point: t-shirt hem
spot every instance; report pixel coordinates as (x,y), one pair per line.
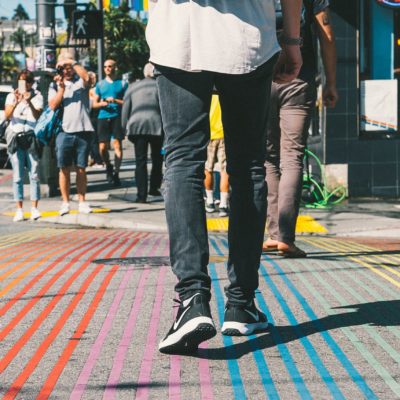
(214,68)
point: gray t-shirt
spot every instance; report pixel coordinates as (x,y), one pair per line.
(76,106)
(226,36)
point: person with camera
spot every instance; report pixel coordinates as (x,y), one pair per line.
(70,90)
(109,94)
(23,108)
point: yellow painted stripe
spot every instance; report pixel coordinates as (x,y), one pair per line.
(18,238)
(46,214)
(305,224)
(341,246)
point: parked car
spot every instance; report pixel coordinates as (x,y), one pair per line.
(4,90)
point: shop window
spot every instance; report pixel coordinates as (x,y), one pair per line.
(379,68)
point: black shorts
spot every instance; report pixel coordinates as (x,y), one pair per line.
(109,127)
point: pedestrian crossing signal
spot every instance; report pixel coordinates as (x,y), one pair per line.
(87,24)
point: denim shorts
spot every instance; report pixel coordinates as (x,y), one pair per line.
(73,149)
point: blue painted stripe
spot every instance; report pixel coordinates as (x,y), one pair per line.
(265,375)
(340,355)
(308,347)
(233,366)
(284,351)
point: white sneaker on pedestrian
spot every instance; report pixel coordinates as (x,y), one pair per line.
(64,209)
(84,208)
(19,215)
(35,214)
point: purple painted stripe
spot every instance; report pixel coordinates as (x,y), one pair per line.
(113,380)
(82,381)
(144,379)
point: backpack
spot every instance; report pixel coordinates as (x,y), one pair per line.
(49,125)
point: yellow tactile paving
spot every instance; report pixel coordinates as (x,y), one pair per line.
(305,224)
(55,213)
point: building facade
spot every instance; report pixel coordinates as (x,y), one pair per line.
(358,141)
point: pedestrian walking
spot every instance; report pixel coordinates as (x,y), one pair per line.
(70,91)
(23,108)
(141,120)
(109,99)
(290,113)
(230,45)
(216,153)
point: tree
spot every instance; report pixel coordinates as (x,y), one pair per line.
(9,67)
(20,13)
(125,41)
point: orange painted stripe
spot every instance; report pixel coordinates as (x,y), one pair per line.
(21,276)
(37,277)
(54,375)
(21,314)
(34,361)
(15,250)
(26,260)
(46,311)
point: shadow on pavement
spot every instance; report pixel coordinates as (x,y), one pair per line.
(380,313)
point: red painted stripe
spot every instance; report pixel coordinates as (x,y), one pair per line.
(34,361)
(21,314)
(36,278)
(54,375)
(43,315)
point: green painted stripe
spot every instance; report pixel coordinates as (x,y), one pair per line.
(382,372)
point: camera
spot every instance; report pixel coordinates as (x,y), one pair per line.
(60,70)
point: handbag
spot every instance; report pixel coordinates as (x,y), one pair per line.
(49,125)
(25,140)
(3,127)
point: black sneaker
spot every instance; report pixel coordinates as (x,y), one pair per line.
(110,173)
(116,180)
(193,325)
(223,212)
(210,207)
(155,193)
(243,320)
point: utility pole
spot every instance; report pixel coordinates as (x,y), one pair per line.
(45,61)
(100,47)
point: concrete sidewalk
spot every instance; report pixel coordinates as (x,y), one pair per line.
(115,208)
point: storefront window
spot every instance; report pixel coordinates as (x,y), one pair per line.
(379,68)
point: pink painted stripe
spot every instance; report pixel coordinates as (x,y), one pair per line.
(113,380)
(205,377)
(82,381)
(144,379)
(175,372)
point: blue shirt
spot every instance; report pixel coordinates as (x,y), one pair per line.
(115,89)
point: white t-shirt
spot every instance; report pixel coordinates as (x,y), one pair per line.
(22,119)
(76,106)
(226,36)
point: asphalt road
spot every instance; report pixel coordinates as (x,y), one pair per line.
(82,311)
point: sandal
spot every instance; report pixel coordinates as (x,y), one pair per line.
(293,253)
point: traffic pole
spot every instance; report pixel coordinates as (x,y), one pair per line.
(100,47)
(45,63)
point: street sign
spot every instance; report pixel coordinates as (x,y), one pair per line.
(87,24)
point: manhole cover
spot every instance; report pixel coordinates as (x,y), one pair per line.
(143,261)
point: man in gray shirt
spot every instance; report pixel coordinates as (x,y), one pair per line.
(71,92)
(230,45)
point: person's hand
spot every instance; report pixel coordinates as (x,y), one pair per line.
(27,95)
(330,96)
(18,96)
(104,103)
(60,81)
(288,65)
(110,99)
